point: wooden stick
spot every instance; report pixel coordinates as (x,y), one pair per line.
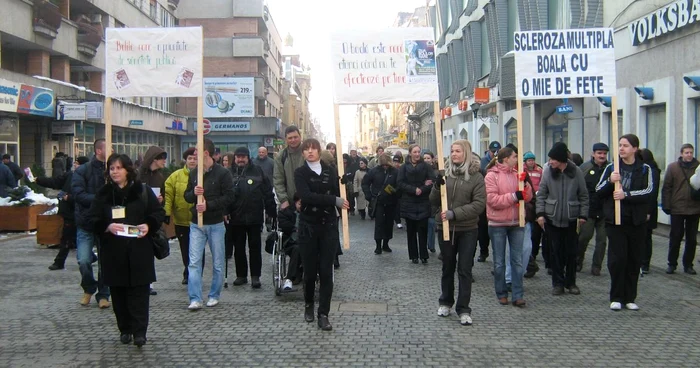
(616,153)
(521,164)
(441,166)
(107,119)
(341,172)
(200,156)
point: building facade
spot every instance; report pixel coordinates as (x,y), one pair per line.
(240,41)
(52,52)
(296,90)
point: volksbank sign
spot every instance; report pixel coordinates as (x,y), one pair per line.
(673,16)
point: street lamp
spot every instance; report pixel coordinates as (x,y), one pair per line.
(692,82)
(475,108)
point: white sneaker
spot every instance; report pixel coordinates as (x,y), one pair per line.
(465,319)
(399,226)
(443,311)
(287,285)
(615,306)
(212,302)
(632,306)
(195,306)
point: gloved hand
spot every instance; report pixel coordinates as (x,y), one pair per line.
(527,195)
(440,180)
(522,176)
(519,195)
(166,220)
(345,179)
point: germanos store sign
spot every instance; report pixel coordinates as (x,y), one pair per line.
(671,17)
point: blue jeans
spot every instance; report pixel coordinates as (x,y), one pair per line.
(85,242)
(527,250)
(214,235)
(514,236)
(431,233)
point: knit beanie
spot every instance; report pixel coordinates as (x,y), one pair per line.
(559,152)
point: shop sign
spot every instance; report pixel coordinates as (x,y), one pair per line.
(670,18)
(229,97)
(36,101)
(278,142)
(135,122)
(228,126)
(269,141)
(565,109)
(94,109)
(71,111)
(63,127)
(9,95)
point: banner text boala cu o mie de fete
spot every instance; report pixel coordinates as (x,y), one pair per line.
(567,63)
(388,65)
(146,62)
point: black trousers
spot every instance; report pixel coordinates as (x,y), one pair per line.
(624,259)
(683,225)
(564,249)
(294,266)
(317,248)
(417,247)
(648,249)
(228,241)
(252,234)
(536,237)
(130,305)
(68,239)
(183,237)
(384,222)
(458,253)
(484,235)
(397,213)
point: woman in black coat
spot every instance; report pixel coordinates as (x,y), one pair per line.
(648,158)
(318,188)
(415,183)
(127,261)
(380,188)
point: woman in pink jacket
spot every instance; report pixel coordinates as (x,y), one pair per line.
(502,196)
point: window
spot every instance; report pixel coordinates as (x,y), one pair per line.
(559,14)
(84,139)
(513,22)
(656,134)
(153,9)
(484,136)
(556,130)
(512,132)
(485,53)
(620,132)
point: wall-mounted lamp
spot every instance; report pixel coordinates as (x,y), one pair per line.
(646,93)
(475,108)
(605,101)
(692,82)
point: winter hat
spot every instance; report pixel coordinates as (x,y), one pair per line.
(529,155)
(83,160)
(327,158)
(398,159)
(362,159)
(494,146)
(559,152)
(601,147)
(512,146)
(242,151)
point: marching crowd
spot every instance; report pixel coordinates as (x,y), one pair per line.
(111,204)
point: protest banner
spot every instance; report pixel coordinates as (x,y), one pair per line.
(566,63)
(384,66)
(148,62)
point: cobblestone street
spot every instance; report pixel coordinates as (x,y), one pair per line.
(383,314)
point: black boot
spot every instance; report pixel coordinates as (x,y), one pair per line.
(385,246)
(139,341)
(336,262)
(378,250)
(363,213)
(323,323)
(309,312)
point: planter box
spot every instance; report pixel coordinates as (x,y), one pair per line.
(21,218)
(49,229)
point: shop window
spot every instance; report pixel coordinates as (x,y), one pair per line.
(484,136)
(559,14)
(512,132)
(513,22)
(656,134)
(485,53)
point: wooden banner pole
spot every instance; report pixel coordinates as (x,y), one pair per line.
(441,166)
(616,153)
(521,164)
(200,156)
(107,119)
(341,172)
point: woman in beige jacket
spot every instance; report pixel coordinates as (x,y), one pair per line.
(361,204)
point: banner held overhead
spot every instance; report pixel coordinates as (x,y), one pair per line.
(146,62)
(379,66)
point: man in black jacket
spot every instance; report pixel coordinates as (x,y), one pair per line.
(253,198)
(592,170)
(218,193)
(85,183)
(16,170)
(66,209)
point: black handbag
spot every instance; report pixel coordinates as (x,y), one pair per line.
(161,244)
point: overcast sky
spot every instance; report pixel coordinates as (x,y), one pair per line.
(310,23)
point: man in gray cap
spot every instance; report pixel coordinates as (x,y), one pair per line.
(592,170)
